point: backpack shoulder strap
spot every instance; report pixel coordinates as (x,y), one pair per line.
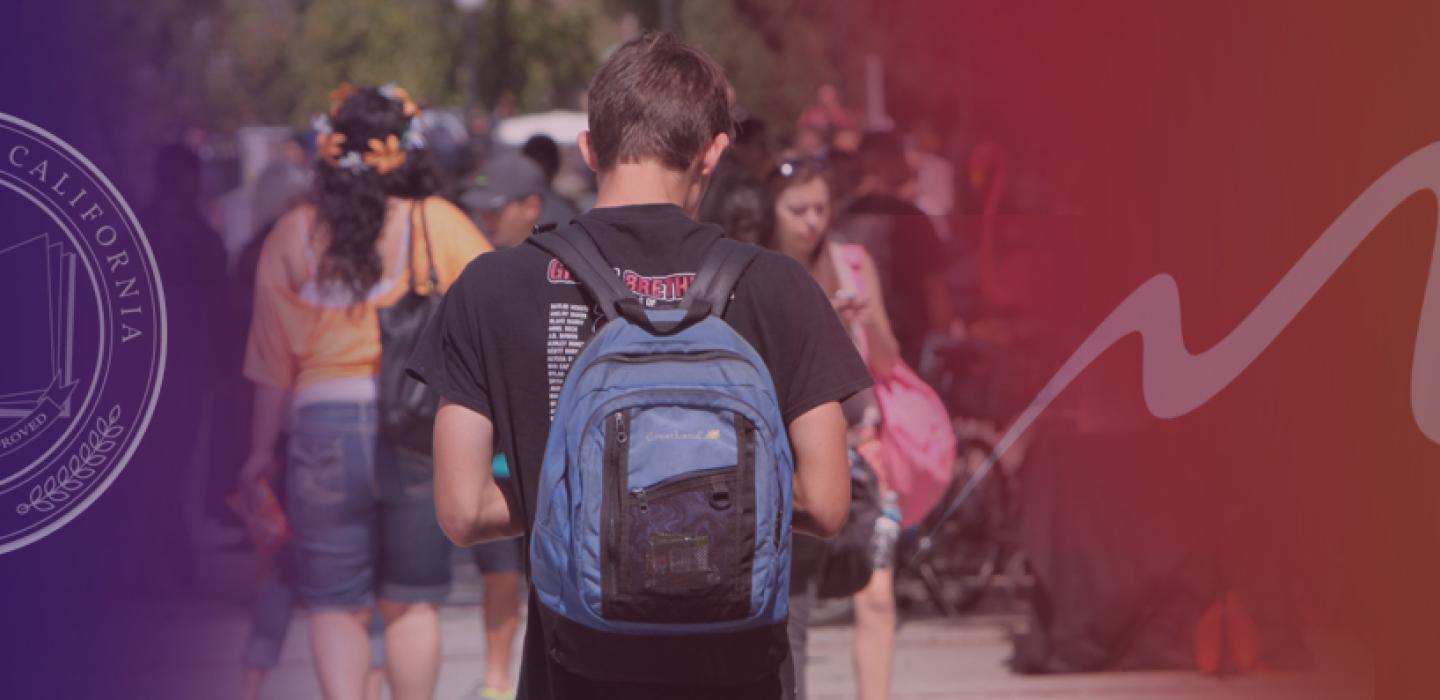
(574,248)
(724,263)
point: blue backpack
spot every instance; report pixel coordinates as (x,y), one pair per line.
(660,550)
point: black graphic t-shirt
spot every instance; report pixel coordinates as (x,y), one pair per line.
(514,321)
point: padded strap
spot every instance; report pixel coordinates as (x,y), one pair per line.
(434,276)
(724,263)
(709,293)
(574,248)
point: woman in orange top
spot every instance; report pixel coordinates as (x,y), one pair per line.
(362,511)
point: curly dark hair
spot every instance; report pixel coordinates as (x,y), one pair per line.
(350,205)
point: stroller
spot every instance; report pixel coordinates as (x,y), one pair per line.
(968,544)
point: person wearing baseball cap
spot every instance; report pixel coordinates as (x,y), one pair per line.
(505,199)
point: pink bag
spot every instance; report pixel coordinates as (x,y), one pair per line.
(916,440)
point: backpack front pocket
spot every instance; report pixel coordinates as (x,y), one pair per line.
(679,550)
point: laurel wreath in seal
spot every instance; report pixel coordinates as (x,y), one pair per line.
(71,476)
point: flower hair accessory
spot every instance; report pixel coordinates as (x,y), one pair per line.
(382,155)
(395,93)
(385,156)
(342,92)
(411,139)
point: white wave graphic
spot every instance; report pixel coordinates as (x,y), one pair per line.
(1176,382)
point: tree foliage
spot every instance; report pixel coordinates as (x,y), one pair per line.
(371,42)
(773,52)
(222,64)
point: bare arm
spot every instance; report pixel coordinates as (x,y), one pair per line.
(265,424)
(822,470)
(884,348)
(269,413)
(468,502)
(269,363)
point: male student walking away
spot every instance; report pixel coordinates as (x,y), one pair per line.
(503,344)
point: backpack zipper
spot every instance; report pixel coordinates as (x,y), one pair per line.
(664,487)
(648,358)
(595,419)
(616,476)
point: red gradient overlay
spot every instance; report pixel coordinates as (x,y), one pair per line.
(1215,144)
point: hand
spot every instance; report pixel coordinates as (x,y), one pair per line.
(848,307)
(882,366)
(872,451)
(261,465)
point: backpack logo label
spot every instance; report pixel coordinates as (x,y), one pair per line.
(713,434)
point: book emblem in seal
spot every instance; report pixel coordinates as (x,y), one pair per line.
(84,350)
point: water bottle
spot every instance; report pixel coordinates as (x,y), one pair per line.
(887,531)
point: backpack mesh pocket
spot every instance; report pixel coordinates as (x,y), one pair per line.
(682,549)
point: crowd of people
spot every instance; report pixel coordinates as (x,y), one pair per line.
(366,208)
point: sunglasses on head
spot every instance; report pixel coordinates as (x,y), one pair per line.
(788,167)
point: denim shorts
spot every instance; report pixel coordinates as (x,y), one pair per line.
(362,511)
(498,557)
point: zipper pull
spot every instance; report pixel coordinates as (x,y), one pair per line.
(639,494)
(621,434)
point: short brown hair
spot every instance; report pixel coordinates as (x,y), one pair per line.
(656,97)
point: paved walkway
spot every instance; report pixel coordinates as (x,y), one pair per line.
(935,658)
